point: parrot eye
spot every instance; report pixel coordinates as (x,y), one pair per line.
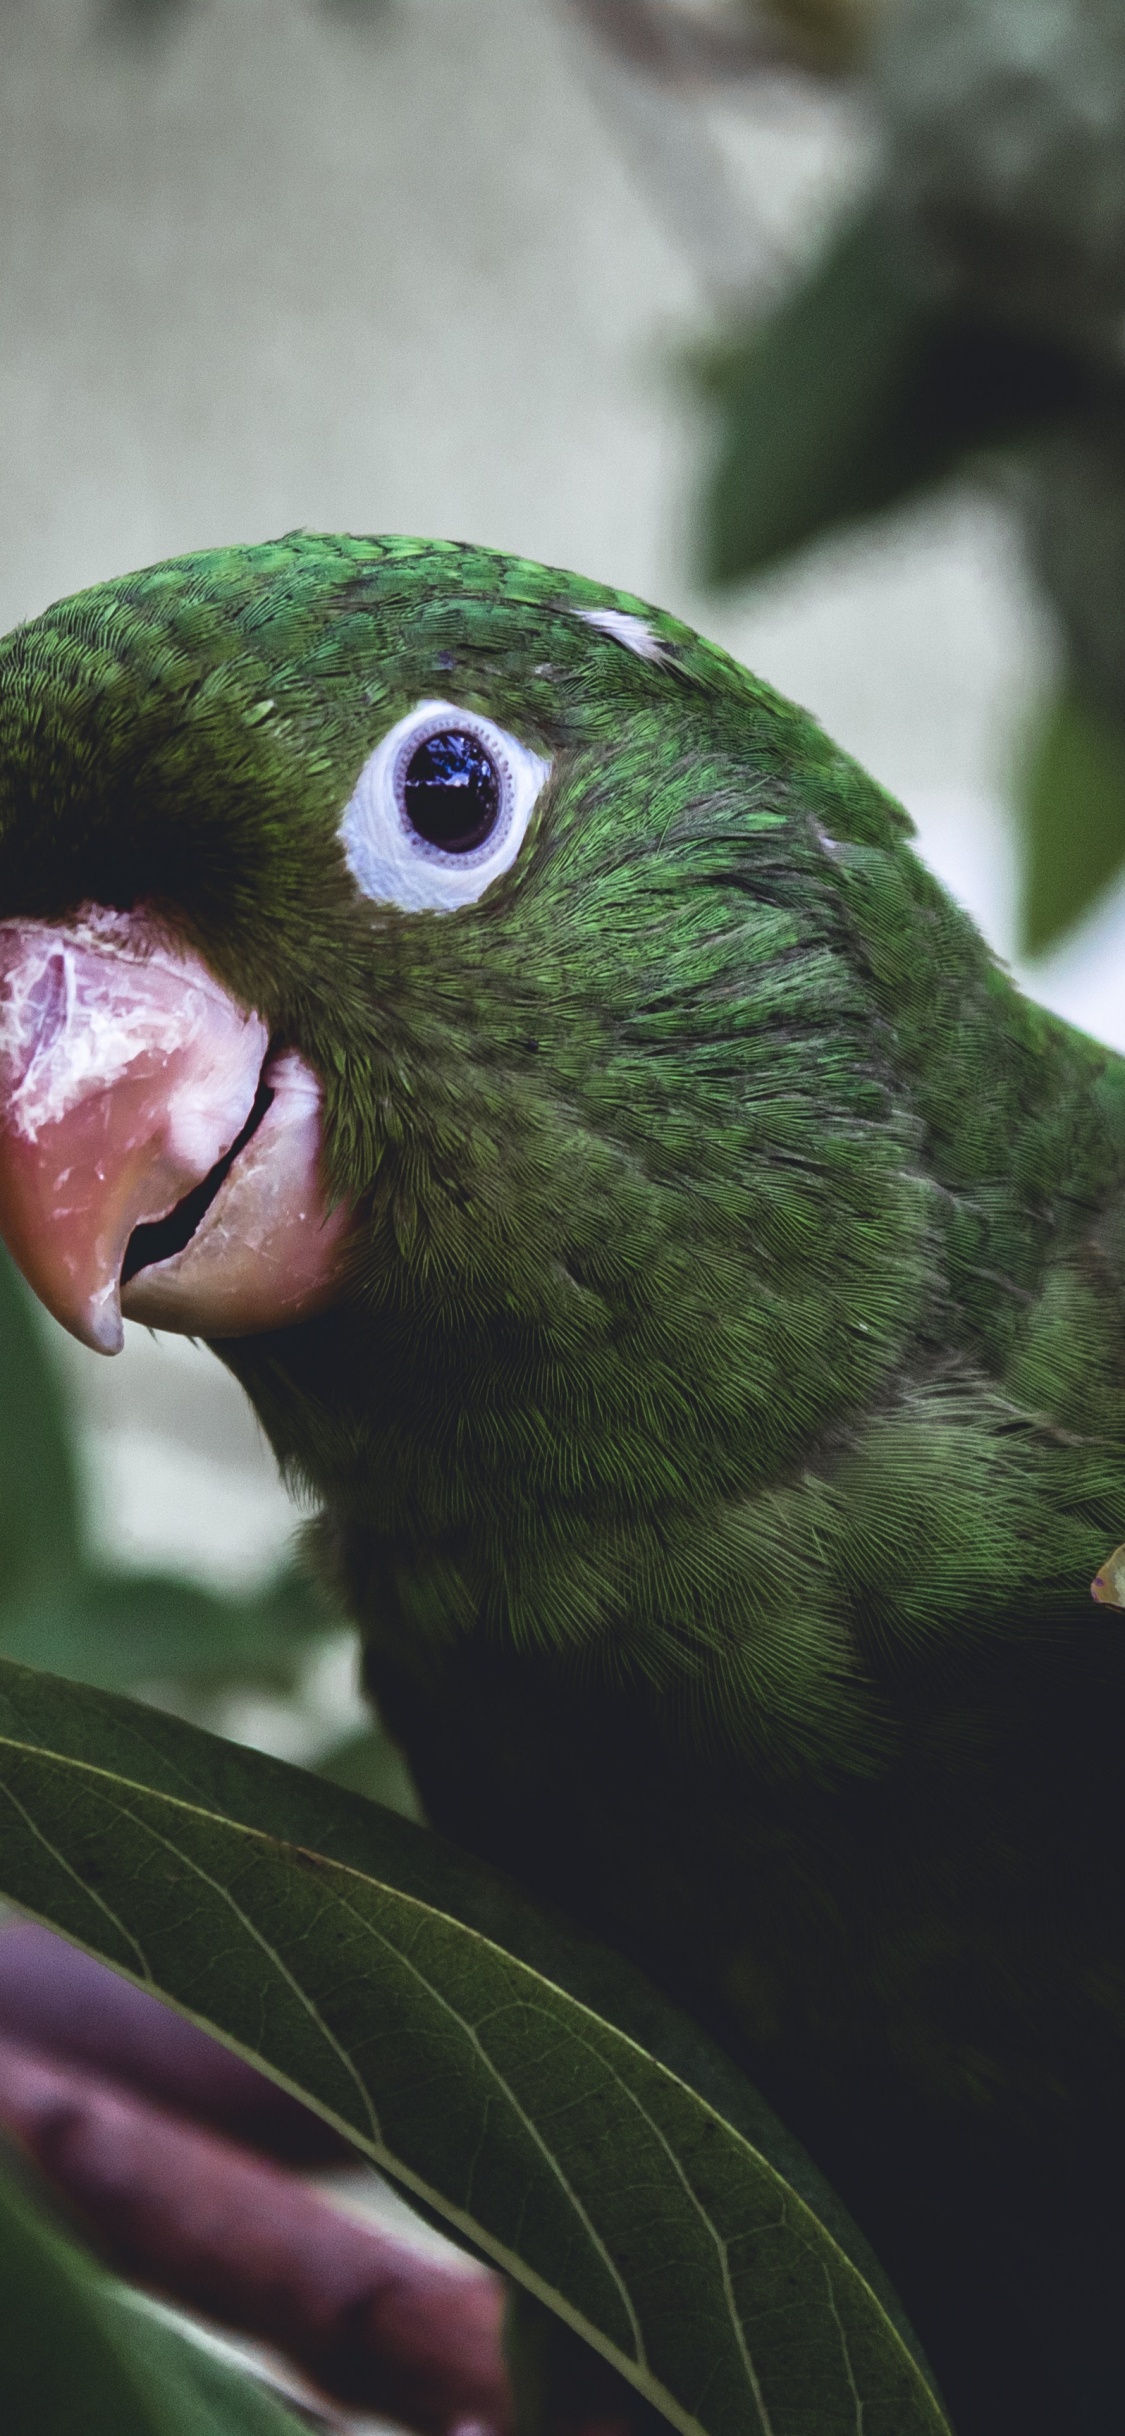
(452,791)
(440,809)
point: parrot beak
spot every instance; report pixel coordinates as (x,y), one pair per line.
(157,1161)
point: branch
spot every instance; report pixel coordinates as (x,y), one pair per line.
(374,2323)
(54,1997)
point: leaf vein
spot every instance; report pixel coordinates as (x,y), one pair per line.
(272,1955)
(531,2128)
(845,2348)
(70,1871)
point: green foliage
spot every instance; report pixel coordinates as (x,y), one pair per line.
(973,307)
(144,1746)
(1003,123)
(855,394)
(530,2122)
(120,1629)
(368,1763)
(1073,818)
(830,34)
(74,2353)
(60,1608)
(77,2355)
(40,1522)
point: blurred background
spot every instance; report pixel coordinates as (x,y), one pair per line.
(802,318)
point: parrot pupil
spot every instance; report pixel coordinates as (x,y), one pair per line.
(452,791)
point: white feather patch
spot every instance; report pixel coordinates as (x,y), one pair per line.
(623,626)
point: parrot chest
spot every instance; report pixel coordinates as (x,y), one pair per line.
(950,1921)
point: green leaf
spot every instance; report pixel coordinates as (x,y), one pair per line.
(1073,819)
(552,2141)
(77,2355)
(369,1763)
(40,1530)
(855,393)
(200,2394)
(115,1629)
(102,1627)
(169,1756)
(830,35)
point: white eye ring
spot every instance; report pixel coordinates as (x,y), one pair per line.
(389,857)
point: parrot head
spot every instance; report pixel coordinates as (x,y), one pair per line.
(434,980)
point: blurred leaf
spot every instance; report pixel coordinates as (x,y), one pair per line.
(1073,819)
(40,1529)
(77,2359)
(200,2393)
(834,32)
(555,2143)
(60,2368)
(58,1609)
(856,393)
(118,1629)
(369,1763)
(684,43)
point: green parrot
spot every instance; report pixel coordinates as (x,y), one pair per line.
(687,1276)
